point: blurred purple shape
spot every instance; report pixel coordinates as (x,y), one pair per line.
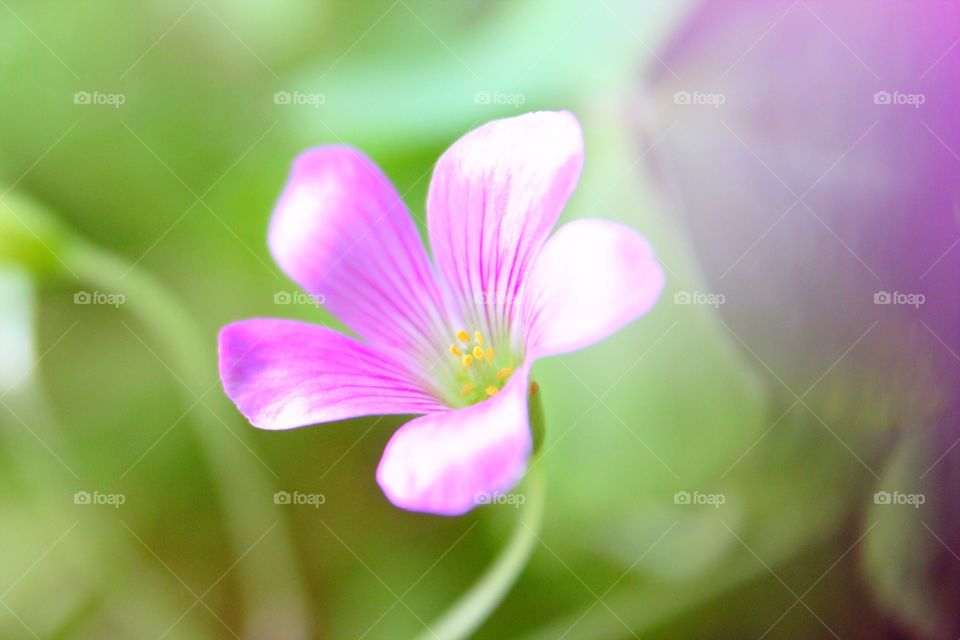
(813,148)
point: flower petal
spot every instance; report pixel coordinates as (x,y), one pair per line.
(447,463)
(494,197)
(341,232)
(283,374)
(591,279)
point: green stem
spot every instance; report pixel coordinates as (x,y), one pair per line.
(476,605)
(269,577)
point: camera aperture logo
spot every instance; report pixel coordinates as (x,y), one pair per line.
(897,498)
(696,498)
(297,498)
(98,498)
(898,98)
(899,298)
(99,298)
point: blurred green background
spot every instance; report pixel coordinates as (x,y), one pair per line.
(142,146)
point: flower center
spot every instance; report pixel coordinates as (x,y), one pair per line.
(481,373)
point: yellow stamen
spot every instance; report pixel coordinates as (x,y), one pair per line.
(478,353)
(478,337)
(463,336)
(491,390)
(455,351)
(490,354)
(504,373)
(467,361)
(467,388)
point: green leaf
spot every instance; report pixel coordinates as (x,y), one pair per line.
(900,549)
(16,327)
(29,235)
(525,56)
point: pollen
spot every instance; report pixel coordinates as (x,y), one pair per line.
(481,373)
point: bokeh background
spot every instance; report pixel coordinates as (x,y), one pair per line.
(770,453)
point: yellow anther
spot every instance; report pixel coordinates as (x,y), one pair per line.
(463,336)
(490,354)
(466,389)
(504,373)
(455,351)
(478,337)
(467,361)
(478,353)
(491,390)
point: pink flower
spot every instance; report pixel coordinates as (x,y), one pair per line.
(452,340)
